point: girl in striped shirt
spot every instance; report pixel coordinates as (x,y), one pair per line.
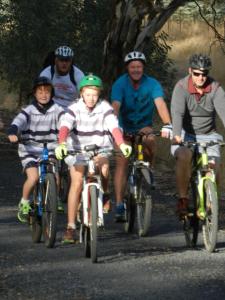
(90,120)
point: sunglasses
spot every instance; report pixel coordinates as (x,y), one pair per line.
(196,74)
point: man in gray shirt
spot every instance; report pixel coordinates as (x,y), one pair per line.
(195,101)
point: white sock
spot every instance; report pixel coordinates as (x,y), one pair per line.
(24,201)
(71,225)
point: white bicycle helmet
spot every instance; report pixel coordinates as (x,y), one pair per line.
(135,55)
(64,52)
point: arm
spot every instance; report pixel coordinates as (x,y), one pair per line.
(219,104)
(67,121)
(19,123)
(162,110)
(178,107)
(116,107)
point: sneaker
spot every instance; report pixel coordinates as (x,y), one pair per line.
(120,213)
(69,236)
(23,211)
(106,203)
(182,207)
(60,207)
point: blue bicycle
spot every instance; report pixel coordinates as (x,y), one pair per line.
(43,215)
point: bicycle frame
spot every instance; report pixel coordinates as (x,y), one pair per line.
(137,163)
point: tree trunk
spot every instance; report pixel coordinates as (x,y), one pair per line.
(132,26)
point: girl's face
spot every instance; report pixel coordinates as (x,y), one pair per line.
(90,96)
(43,94)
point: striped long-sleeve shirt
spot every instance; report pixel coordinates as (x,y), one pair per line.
(36,125)
(89,127)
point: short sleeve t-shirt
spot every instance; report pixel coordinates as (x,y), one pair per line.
(137,105)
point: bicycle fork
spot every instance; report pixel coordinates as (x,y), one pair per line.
(86,204)
(201,211)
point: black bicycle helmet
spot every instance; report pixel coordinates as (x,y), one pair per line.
(42,80)
(200,62)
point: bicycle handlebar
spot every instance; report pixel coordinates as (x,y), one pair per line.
(203,144)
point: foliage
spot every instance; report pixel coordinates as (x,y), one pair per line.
(29,30)
(159,65)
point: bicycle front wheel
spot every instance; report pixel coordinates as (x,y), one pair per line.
(210,226)
(87,242)
(93,227)
(49,218)
(144,207)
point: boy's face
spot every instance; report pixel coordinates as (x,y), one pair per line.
(90,96)
(43,93)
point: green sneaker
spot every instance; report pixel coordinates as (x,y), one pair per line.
(23,212)
(60,206)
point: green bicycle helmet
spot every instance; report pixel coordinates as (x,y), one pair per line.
(90,80)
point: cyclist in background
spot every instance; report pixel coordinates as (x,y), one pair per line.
(36,123)
(90,120)
(195,101)
(65,76)
(134,97)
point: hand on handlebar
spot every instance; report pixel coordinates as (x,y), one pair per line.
(126,149)
(61,151)
(177,139)
(167,131)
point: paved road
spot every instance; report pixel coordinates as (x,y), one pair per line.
(156,267)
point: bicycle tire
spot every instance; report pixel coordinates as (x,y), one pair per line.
(191,222)
(35,220)
(93,227)
(129,211)
(210,225)
(49,218)
(144,206)
(87,242)
(64,188)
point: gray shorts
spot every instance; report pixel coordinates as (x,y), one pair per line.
(213,151)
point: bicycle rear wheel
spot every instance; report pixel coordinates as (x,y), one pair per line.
(191,221)
(130,211)
(144,206)
(35,219)
(93,227)
(210,226)
(49,218)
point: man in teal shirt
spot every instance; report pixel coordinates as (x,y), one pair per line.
(134,97)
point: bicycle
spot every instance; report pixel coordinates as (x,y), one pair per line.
(64,181)
(204,206)
(91,206)
(43,214)
(138,200)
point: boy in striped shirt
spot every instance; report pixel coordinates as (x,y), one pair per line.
(90,120)
(35,124)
